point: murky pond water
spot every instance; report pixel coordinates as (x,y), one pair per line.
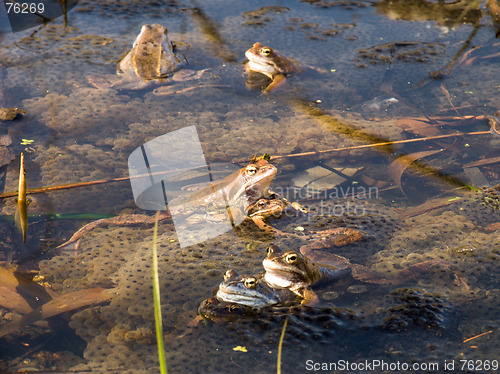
(422,75)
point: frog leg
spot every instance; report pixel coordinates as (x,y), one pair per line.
(365,274)
(124,220)
(194,326)
(261,224)
(295,205)
(337,237)
(277,82)
(310,297)
(268,229)
(171,90)
(325,258)
(188,75)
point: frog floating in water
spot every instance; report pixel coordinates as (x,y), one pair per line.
(239,191)
(153,60)
(271,63)
(10,114)
(290,270)
(252,291)
(299,271)
(219,311)
(308,321)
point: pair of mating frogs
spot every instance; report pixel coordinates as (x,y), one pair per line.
(242,195)
(155,60)
(288,278)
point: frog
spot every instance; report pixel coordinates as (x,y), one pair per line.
(153,60)
(252,291)
(269,320)
(299,270)
(10,114)
(264,208)
(293,271)
(239,190)
(271,63)
(213,310)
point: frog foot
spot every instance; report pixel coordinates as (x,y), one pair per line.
(311,298)
(124,220)
(193,327)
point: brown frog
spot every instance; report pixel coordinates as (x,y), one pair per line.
(10,114)
(217,311)
(295,272)
(238,191)
(271,63)
(153,60)
(301,318)
(298,271)
(265,208)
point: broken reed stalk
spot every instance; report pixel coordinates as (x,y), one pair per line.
(280,346)
(312,153)
(477,336)
(21,200)
(157,302)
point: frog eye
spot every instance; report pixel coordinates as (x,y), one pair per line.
(250,283)
(262,203)
(272,250)
(251,170)
(234,308)
(291,258)
(266,51)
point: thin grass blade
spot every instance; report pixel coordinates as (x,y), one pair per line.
(157,304)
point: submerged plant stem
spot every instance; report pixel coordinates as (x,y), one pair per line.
(272,158)
(280,345)
(157,304)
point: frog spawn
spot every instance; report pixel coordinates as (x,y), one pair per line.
(115,333)
(119,333)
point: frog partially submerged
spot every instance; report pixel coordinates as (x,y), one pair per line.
(265,208)
(297,271)
(153,60)
(238,191)
(293,271)
(271,63)
(10,114)
(309,322)
(252,291)
(214,310)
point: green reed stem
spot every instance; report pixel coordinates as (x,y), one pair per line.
(280,345)
(157,304)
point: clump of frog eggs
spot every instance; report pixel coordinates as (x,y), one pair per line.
(121,332)
(449,237)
